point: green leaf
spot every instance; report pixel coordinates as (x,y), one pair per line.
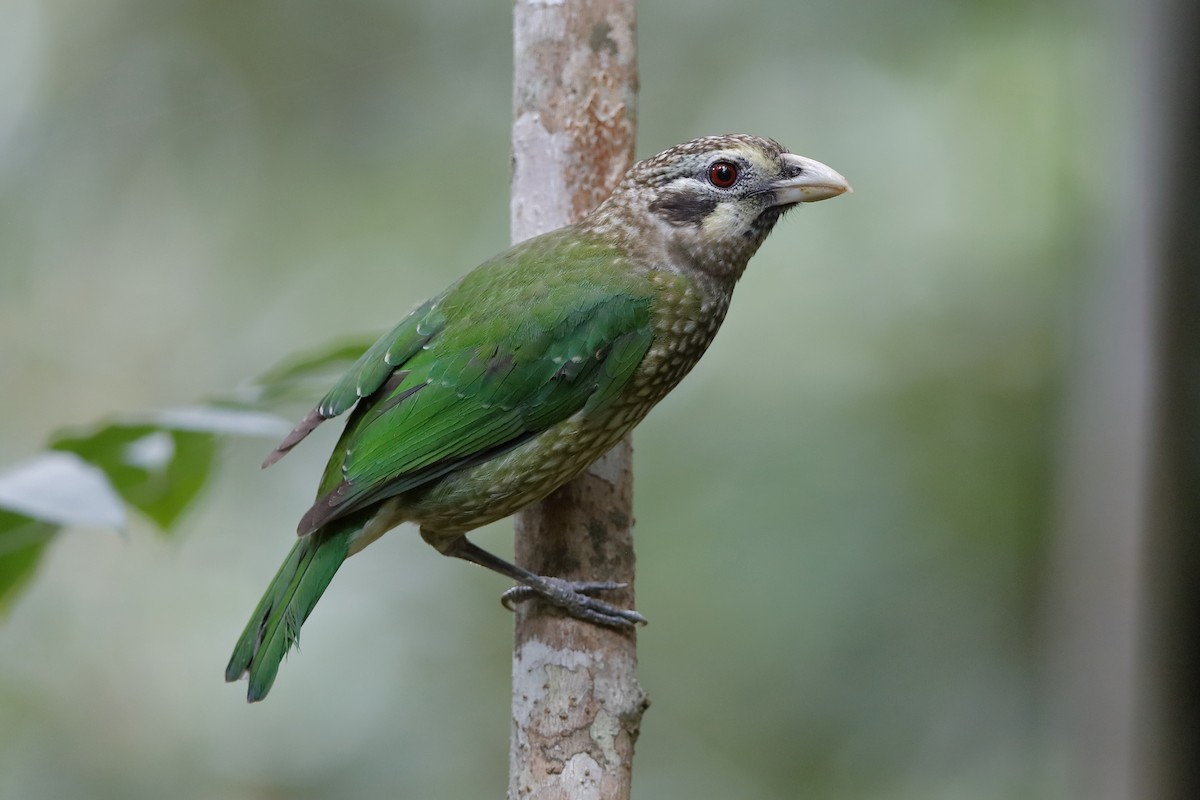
(157,470)
(157,462)
(22,542)
(61,489)
(297,376)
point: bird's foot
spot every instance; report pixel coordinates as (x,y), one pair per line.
(573,597)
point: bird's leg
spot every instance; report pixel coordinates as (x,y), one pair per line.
(571,596)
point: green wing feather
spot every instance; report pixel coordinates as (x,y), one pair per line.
(274,627)
(552,328)
(519,345)
(369,373)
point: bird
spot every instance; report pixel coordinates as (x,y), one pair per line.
(521,374)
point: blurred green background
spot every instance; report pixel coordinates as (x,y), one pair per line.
(843,515)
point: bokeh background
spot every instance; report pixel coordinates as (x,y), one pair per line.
(845,515)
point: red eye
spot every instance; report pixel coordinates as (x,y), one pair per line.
(723,174)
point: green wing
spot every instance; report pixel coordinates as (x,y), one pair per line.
(518,346)
(370,372)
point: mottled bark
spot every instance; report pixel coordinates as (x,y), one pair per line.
(577,705)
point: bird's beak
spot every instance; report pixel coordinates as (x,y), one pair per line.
(811,181)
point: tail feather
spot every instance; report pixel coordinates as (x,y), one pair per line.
(275,625)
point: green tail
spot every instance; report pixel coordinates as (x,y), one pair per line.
(295,590)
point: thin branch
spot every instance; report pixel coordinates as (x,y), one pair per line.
(577,705)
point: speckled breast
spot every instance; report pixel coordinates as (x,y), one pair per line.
(685,322)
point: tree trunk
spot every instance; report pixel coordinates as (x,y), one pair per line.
(577,705)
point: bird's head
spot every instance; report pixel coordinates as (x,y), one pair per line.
(709,203)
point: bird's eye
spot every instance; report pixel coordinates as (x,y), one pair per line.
(723,174)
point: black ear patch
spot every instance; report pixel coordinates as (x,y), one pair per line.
(684,208)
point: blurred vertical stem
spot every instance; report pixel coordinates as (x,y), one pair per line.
(1170,216)
(577,705)
(1127,639)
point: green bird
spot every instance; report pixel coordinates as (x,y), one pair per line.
(520,375)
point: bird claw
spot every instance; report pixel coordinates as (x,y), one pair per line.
(572,597)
